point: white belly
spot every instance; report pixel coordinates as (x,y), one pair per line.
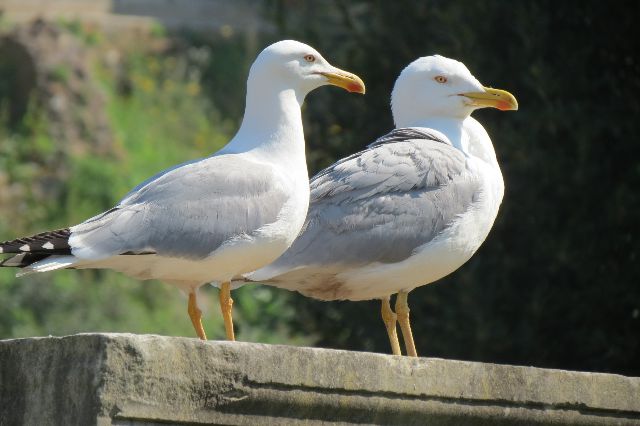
(224,264)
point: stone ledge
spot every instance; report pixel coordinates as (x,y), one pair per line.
(123,379)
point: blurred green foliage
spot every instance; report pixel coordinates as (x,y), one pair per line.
(160,116)
(555,284)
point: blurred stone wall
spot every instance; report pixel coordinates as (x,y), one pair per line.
(45,71)
(208,15)
(45,63)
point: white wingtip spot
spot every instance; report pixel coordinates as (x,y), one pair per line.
(1,250)
(48,245)
(25,248)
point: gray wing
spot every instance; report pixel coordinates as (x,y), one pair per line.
(186,212)
(379,205)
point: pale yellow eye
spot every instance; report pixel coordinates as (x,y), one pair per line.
(309,58)
(440,79)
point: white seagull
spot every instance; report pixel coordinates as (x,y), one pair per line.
(411,208)
(211,219)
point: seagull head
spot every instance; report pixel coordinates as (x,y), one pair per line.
(295,65)
(435,86)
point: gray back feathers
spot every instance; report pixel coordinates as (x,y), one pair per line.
(382,203)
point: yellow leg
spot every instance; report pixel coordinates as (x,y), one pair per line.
(402,310)
(226,303)
(196,315)
(389,318)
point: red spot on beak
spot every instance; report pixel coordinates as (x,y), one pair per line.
(503,106)
(354,87)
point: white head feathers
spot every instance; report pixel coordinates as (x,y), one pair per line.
(289,64)
(430,87)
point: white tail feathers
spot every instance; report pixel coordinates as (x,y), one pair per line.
(49,264)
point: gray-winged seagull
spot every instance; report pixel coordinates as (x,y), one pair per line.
(211,219)
(411,208)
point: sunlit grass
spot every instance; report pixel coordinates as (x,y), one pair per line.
(162,119)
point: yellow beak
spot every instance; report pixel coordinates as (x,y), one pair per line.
(493,98)
(346,80)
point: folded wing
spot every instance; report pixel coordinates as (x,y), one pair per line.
(379,205)
(187,212)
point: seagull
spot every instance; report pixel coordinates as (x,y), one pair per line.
(215,218)
(411,208)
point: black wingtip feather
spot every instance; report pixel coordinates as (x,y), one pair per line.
(22,260)
(46,243)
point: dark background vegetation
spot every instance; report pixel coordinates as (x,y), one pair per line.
(556,284)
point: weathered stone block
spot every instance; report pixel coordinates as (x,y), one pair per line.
(122,379)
